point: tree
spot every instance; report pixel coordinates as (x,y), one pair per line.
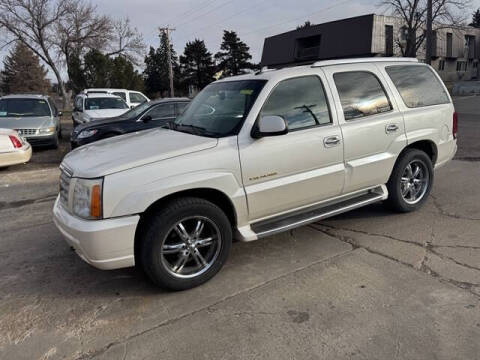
(414,16)
(476,19)
(124,76)
(234,55)
(126,41)
(197,65)
(156,69)
(33,23)
(97,69)
(23,72)
(304,25)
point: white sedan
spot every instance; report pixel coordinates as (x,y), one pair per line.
(13,148)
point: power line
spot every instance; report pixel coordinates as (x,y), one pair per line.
(286,20)
(206,13)
(192,10)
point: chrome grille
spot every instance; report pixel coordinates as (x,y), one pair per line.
(27,132)
(64,187)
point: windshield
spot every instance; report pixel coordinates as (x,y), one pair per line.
(220,109)
(137,110)
(99,103)
(24,107)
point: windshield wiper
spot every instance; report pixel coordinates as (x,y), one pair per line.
(196,130)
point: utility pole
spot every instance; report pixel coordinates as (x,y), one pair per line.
(428,52)
(167,31)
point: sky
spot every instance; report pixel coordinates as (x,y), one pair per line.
(253,20)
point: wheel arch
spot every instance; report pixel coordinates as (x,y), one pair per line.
(215,196)
(427,146)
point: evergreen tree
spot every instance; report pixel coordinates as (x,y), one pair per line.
(234,55)
(124,76)
(76,75)
(476,19)
(306,24)
(157,80)
(97,69)
(197,65)
(23,73)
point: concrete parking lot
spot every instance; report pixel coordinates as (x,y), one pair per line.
(369,284)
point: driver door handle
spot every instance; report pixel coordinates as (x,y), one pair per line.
(391,128)
(331,141)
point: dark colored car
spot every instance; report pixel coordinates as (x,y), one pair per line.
(148,115)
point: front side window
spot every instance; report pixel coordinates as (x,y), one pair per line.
(137,98)
(120,94)
(220,109)
(361,94)
(104,103)
(300,101)
(418,86)
(181,107)
(163,111)
(24,108)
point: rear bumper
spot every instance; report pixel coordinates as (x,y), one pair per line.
(16,157)
(105,244)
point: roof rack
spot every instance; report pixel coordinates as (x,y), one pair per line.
(363,60)
(264,69)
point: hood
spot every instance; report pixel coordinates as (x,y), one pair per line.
(104,113)
(96,123)
(132,150)
(24,122)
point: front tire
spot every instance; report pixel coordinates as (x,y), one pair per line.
(185,243)
(410,182)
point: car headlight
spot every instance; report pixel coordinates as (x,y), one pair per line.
(87,198)
(87,133)
(48,130)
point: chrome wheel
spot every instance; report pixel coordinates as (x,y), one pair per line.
(414,182)
(191,247)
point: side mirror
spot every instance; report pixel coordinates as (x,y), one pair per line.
(147,118)
(270,125)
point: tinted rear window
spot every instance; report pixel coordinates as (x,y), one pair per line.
(418,86)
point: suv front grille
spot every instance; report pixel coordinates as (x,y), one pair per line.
(64,187)
(27,132)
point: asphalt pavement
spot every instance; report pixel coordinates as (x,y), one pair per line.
(369,284)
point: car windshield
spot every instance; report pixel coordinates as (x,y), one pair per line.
(100,103)
(220,109)
(137,110)
(24,107)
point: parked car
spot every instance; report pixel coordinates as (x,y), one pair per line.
(90,107)
(145,116)
(253,156)
(35,117)
(13,148)
(131,97)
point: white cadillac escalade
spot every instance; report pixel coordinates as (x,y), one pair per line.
(255,155)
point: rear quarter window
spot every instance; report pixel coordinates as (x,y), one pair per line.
(418,86)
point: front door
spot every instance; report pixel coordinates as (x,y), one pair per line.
(305,166)
(372,125)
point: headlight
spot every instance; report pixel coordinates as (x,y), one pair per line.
(48,130)
(87,133)
(87,198)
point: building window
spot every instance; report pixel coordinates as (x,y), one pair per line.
(461,66)
(449,44)
(388,40)
(475,64)
(441,65)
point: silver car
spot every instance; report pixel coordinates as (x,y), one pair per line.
(35,117)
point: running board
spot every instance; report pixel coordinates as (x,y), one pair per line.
(310,215)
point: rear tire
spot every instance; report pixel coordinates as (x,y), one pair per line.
(410,182)
(185,243)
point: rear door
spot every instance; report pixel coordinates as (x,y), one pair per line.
(371,123)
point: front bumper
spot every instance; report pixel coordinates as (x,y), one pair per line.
(16,157)
(43,140)
(105,244)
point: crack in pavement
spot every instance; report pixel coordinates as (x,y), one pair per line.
(423,267)
(96,353)
(443,212)
(19,203)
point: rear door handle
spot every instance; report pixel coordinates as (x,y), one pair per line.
(391,128)
(331,141)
